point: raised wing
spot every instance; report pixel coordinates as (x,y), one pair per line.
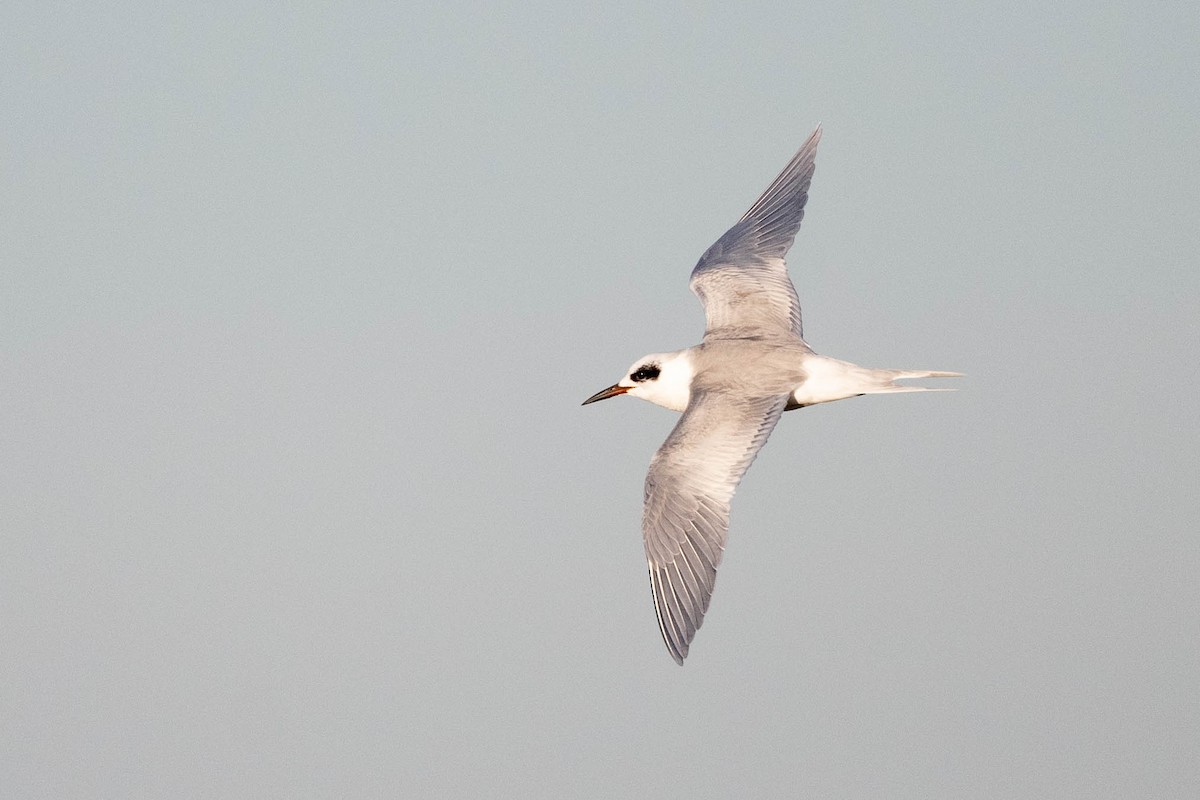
(742,280)
(688,489)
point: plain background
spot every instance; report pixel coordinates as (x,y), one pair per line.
(298,307)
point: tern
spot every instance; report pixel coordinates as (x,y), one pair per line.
(752,365)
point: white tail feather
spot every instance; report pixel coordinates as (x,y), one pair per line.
(893,389)
(900,374)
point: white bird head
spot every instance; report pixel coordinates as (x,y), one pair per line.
(664,379)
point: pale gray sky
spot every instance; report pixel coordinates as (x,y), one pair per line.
(298,307)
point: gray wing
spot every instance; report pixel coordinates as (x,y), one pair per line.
(688,489)
(742,280)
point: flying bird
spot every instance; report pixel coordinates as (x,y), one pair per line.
(752,365)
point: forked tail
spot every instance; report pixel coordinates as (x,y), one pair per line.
(829,379)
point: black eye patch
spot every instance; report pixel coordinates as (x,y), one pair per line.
(646,373)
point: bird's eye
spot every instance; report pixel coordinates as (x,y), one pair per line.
(646,373)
